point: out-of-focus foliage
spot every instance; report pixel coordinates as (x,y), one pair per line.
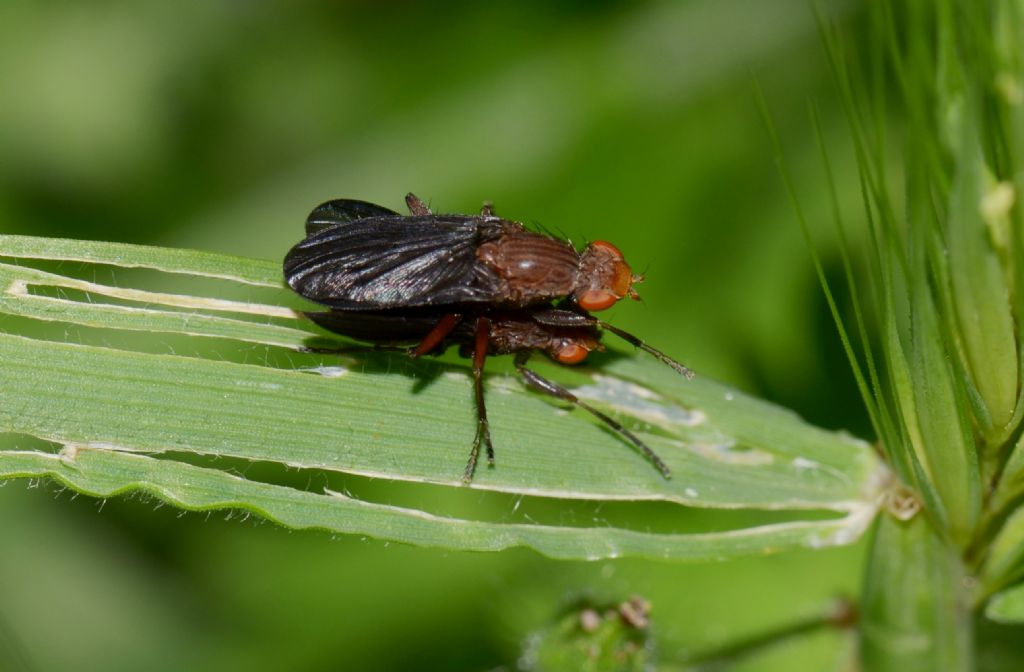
(220,125)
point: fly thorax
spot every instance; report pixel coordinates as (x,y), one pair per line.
(534,267)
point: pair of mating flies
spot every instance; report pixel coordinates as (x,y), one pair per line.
(483,283)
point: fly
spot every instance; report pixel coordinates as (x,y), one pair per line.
(361,256)
(402,307)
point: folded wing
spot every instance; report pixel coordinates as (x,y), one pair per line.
(392,261)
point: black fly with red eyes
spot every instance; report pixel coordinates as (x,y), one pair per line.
(480,282)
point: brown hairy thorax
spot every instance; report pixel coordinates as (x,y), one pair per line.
(538,268)
(532,267)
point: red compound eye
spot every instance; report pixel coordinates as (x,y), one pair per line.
(571,353)
(610,277)
(597,299)
(604,244)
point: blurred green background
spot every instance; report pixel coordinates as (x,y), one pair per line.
(219,125)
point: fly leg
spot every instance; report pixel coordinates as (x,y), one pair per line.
(487,210)
(630,338)
(537,382)
(483,430)
(436,335)
(416,206)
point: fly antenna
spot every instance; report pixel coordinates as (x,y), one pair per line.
(630,338)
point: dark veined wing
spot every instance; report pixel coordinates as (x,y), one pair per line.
(380,263)
(343,211)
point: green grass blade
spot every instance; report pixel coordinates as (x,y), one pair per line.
(1004,564)
(873,396)
(168,259)
(378,415)
(1010,487)
(18,300)
(851,355)
(104,473)
(1007,606)
(370,422)
(980,294)
(947,449)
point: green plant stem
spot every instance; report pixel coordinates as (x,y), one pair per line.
(916,602)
